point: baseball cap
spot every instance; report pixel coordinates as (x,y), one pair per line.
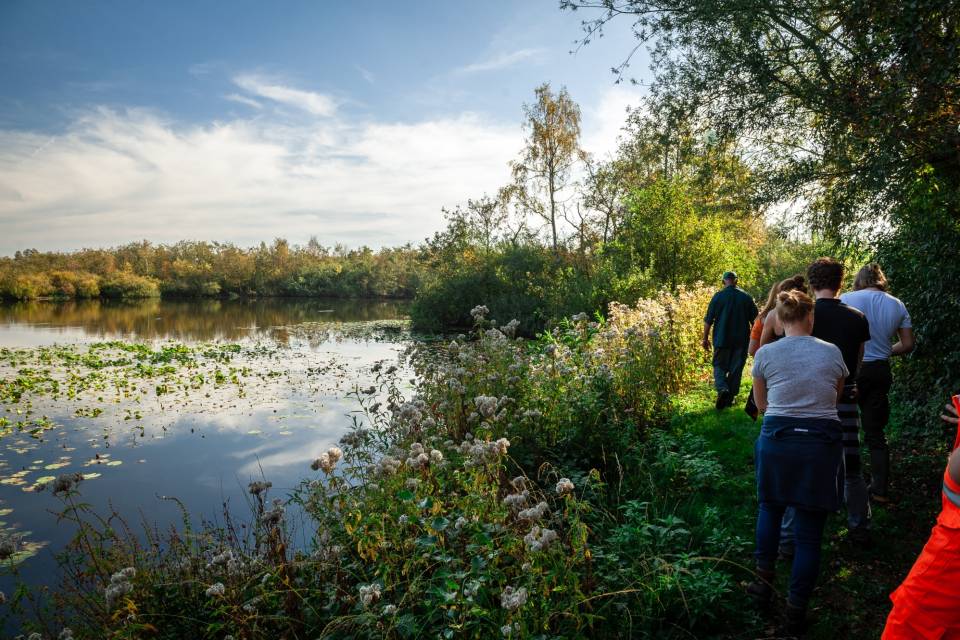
(730,275)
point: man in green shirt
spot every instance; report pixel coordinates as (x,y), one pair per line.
(730,313)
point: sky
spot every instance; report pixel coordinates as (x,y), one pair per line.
(245,120)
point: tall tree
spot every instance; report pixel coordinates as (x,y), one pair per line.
(552,149)
(845,101)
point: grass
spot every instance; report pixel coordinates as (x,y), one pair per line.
(852,596)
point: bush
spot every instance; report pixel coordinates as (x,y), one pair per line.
(125,284)
(918,257)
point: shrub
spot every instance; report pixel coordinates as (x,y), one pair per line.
(125,284)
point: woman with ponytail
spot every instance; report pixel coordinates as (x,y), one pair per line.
(796,381)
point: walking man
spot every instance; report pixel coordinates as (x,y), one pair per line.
(888,319)
(847,328)
(730,313)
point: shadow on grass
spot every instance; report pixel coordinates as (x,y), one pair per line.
(852,597)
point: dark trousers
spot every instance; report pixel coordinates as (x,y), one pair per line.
(728,368)
(873,383)
(808,531)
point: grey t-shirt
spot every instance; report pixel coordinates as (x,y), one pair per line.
(886,315)
(801,373)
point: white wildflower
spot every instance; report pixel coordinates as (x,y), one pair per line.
(512,599)
(516,500)
(369,594)
(215,590)
(389,610)
(486,405)
(564,486)
(534,513)
(479,312)
(538,539)
(460,523)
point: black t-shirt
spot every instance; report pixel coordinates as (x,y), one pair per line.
(844,326)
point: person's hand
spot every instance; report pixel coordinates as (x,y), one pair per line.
(706,343)
(950,415)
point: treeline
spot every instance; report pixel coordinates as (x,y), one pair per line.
(212,269)
(669,210)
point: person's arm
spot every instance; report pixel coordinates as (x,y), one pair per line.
(906,342)
(769,328)
(755,333)
(953,464)
(760,393)
(708,321)
(840,382)
(753,346)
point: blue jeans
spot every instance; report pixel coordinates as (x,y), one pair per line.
(728,368)
(808,532)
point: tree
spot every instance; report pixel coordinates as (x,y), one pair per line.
(844,101)
(552,149)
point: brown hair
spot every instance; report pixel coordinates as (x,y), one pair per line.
(870,275)
(793,306)
(794,283)
(825,273)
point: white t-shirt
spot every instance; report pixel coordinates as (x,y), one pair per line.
(886,315)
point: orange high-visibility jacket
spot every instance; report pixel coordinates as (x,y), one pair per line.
(927,605)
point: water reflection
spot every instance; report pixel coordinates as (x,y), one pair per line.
(201,445)
(188,320)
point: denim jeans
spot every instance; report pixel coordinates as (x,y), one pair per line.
(728,368)
(808,532)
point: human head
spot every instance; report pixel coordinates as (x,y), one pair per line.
(825,274)
(795,308)
(729,278)
(870,275)
(793,283)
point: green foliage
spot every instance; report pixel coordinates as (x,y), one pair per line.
(126,284)
(842,102)
(919,259)
(527,282)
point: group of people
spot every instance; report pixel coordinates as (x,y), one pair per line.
(821,367)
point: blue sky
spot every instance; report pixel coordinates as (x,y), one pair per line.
(242,121)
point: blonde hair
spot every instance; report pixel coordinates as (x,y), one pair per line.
(795,283)
(870,275)
(793,306)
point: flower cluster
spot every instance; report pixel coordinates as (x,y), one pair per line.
(369,594)
(420,458)
(256,488)
(66,482)
(512,599)
(481,452)
(215,590)
(119,585)
(538,539)
(227,560)
(479,312)
(535,512)
(327,460)
(564,486)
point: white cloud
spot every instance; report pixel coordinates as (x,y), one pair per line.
(602,123)
(317,104)
(501,61)
(250,102)
(116,176)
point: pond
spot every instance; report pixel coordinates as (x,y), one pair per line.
(191,400)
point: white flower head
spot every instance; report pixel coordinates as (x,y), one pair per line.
(512,599)
(564,486)
(215,590)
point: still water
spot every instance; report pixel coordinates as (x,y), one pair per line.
(296,362)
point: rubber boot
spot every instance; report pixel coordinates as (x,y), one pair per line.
(879,470)
(761,589)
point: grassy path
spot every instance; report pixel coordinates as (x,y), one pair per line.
(851,600)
